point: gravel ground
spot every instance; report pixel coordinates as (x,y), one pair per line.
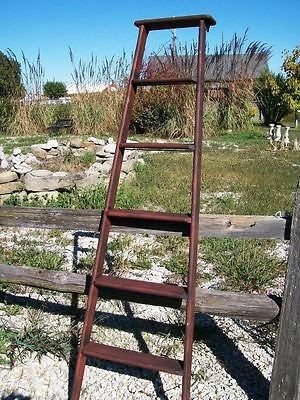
(232,360)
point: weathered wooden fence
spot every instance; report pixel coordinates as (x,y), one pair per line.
(285,383)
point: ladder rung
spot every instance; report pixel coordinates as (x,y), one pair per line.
(150,220)
(133,358)
(189,21)
(158,146)
(164,81)
(138,286)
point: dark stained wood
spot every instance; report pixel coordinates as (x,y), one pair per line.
(154,146)
(234,226)
(163,81)
(142,287)
(215,302)
(133,358)
(285,383)
(188,21)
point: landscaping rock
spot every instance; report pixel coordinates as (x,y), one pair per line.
(31,159)
(110,148)
(94,169)
(106,167)
(44,180)
(16,151)
(53,143)
(4,164)
(22,168)
(128,166)
(11,187)
(99,142)
(37,151)
(76,143)
(8,176)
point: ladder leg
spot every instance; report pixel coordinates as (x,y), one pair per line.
(78,376)
(193,247)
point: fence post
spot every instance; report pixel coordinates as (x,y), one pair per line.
(285,383)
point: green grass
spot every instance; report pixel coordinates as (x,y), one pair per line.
(245,265)
(252,179)
(25,252)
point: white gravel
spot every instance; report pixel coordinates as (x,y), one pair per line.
(229,362)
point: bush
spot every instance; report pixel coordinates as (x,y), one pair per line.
(273,96)
(55,90)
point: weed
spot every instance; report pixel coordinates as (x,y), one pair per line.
(246,265)
(24,253)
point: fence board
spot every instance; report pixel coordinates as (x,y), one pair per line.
(234,226)
(215,302)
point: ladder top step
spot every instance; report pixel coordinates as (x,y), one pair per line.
(138,286)
(149,215)
(133,358)
(188,21)
(158,146)
(164,81)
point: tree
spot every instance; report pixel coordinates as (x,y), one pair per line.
(54,90)
(279,94)
(10,76)
(273,97)
(291,67)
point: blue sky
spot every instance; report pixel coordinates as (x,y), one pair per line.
(106,27)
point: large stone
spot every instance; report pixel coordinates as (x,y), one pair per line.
(31,159)
(53,143)
(38,152)
(128,166)
(106,167)
(44,180)
(94,169)
(16,151)
(4,164)
(45,146)
(110,148)
(76,143)
(98,142)
(8,176)
(21,168)
(11,187)
(91,180)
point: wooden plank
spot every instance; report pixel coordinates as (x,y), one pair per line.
(234,226)
(215,302)
(285,384)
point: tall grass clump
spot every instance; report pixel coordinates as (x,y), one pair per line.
(229,97)
(94,111)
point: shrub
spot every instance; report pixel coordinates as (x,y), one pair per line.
(54,90)
(273,96)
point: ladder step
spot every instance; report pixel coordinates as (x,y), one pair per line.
(158,146)
(150,220)
(138,286)
(164,81)
(133,358)
(189,21)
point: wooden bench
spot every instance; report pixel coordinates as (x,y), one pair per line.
(66,123)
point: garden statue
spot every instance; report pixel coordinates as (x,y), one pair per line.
(278,133)
(286,139)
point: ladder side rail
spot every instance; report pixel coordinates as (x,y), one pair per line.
(105,222)
(285,382)
(126,117)
(194,229)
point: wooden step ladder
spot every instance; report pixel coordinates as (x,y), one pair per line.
(186,223)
